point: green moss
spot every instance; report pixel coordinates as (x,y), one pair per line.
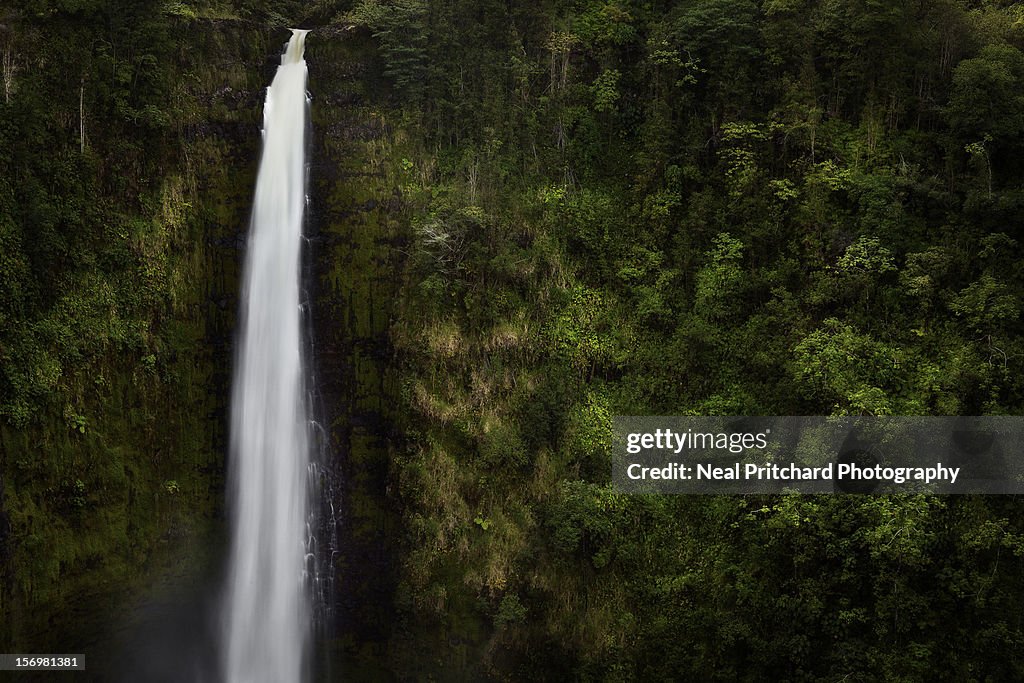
(135,382)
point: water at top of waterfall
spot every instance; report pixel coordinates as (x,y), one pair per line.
(266,615)
(293,54)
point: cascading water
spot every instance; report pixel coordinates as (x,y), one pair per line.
(267,612)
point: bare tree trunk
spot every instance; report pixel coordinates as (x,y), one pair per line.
(560,46)
(9,67)
(946,56)
(81,115)
(553,76)
(988,165)
(474,177)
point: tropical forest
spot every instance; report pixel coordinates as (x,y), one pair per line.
(315,318)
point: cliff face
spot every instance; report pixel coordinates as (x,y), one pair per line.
(357,230)
(117,357)
(128,170)
(524,219)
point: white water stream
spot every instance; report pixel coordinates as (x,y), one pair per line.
(267,613)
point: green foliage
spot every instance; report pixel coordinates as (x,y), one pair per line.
(575,333)
(719,207)
(714,207)
(721,36)
(401,28)
(510,611)
(180,9)
(985,304)
(104,257)
(986,98)
(606,92)
(850,368)
(720,283)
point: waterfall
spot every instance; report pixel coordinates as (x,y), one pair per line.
(267,612)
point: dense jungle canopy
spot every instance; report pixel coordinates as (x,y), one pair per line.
(526,217)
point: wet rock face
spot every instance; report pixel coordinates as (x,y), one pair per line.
(354,274)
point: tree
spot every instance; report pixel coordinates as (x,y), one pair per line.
(987,98)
